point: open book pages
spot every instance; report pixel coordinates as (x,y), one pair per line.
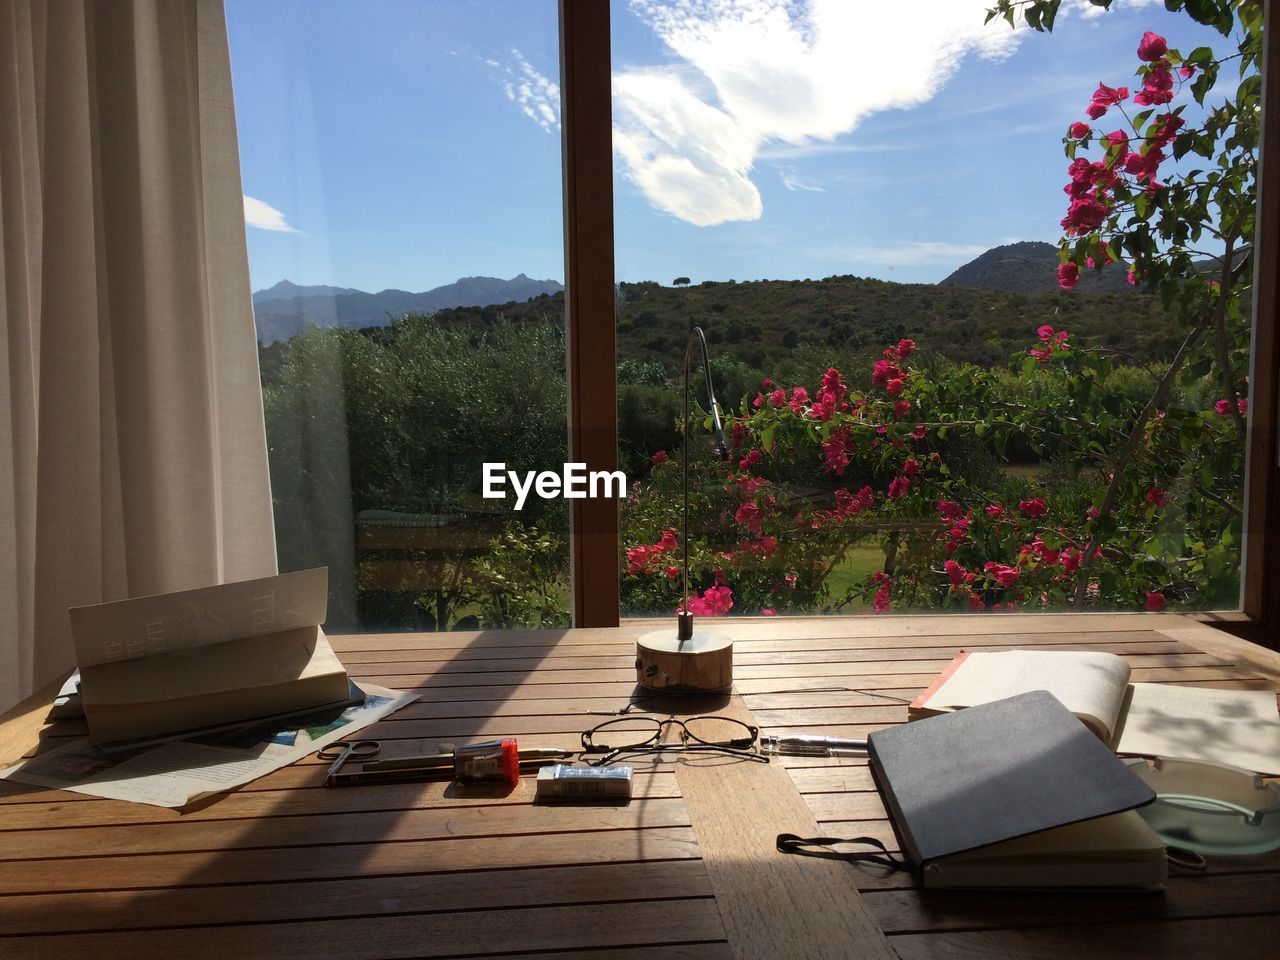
(1114,851)
(1240,728)
(1090,685)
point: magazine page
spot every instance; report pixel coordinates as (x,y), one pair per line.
(173,773)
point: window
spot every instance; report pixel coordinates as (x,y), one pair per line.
(930,407)
(401,164)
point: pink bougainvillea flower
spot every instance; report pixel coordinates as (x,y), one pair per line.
(894,387)
(767,383)
(976,602)
(1068,275)
(1005,575)
(660,457)
(906,347)
(1186,71)
(837,450)
(884,371)
(1158,497)
(799,397)
(768,612)
(833,384)
(1105,97)
(824,407)
(748,514)
(1155,600)
(750,460)
(1144,166)
(714,602)
(1169,127)
(1079,130)
(1035,507)
(1157,85)
(995,510)
(1071,559)
(778,397)
(671,571)
(881,601)
(949,509)
(898,487)
(739,433)
(1152,46)
(1084,215)
(901,408)
(958,575)
(910,468)
(758,402)
(1116,139)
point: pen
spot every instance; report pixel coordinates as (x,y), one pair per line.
(529,756)
(806,745)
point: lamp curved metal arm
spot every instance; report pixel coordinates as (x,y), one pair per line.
(684,619)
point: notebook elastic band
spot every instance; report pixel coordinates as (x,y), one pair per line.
(790,843)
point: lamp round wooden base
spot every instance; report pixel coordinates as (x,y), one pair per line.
(702,663)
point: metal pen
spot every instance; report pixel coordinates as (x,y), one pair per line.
(529,756)
(809,745)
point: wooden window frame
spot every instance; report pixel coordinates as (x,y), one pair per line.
(587,130)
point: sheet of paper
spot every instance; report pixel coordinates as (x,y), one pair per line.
(1090,685)
(175,773)
(125,629)
(1240,728)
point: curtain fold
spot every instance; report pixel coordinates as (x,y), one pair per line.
(132,457)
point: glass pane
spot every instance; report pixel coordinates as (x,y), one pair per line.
(951,383)
(402,178)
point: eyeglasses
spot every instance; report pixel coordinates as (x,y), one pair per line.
(644,735)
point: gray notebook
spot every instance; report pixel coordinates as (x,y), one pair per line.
(1009,769)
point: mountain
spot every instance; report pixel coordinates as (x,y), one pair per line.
(286,308)
(287,290)
(1030,267)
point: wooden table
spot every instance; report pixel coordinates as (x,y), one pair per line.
(284,868)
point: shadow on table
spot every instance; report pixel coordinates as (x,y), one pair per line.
(285,848)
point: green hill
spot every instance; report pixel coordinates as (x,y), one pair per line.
(763,323)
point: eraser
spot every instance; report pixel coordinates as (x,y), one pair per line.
(563,782)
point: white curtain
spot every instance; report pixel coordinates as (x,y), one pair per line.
(132,453)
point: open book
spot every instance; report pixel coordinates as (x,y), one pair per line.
(156,666)
(1240,728)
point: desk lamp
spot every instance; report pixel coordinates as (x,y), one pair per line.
(685,658)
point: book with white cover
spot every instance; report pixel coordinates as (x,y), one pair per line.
(1240,728)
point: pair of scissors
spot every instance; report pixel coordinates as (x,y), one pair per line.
(340,751)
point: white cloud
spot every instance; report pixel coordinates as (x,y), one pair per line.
(910,253)
(793,182)
(1089,11)
(759,73)
(260,214)
(537,97)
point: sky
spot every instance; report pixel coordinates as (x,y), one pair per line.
(405,144)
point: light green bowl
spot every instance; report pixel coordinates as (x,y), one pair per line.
(1209,808)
